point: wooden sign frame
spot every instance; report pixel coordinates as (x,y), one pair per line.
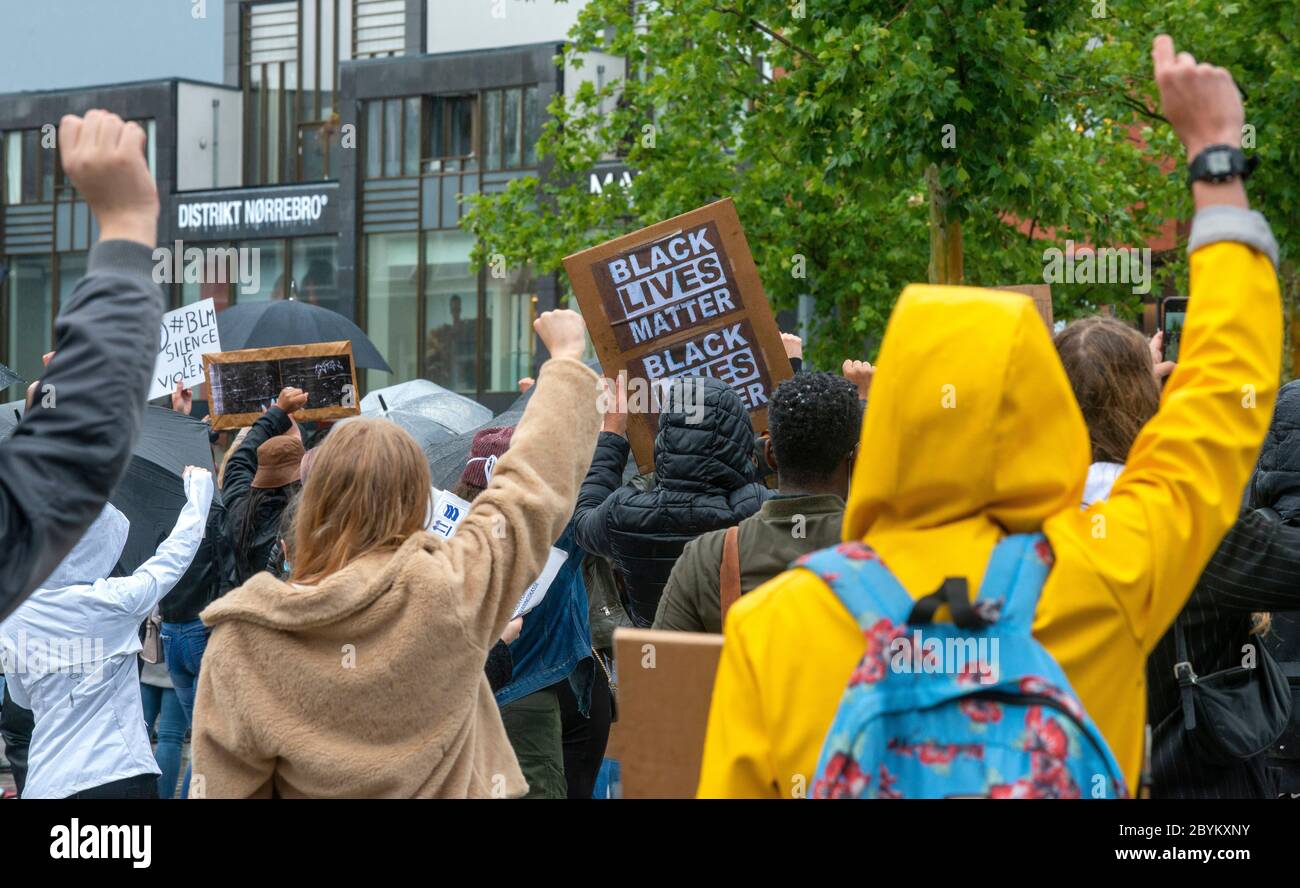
(613,340)
(1042,296)
(279,353)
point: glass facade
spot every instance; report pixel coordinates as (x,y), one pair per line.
(392,265)
(290,55)
(476,333)
(303,268)
(30,310)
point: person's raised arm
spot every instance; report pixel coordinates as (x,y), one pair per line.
(138,593)
(1181,486)
(591,511)
(70,449)
(242,466)
(503,543)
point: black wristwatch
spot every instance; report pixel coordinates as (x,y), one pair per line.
(1221,163)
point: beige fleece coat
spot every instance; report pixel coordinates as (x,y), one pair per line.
(371,684)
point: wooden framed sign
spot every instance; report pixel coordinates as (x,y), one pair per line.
(1040,293)
(242,383)
(680,298)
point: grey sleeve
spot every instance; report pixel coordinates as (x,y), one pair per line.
(71,448)
(1215,224)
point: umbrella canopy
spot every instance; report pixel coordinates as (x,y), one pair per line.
(290,322)
(151,493)
(10,414)
(426,399)
(8,377)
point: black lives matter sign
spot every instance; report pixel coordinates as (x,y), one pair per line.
(729,353)
(681,298)
(662,288)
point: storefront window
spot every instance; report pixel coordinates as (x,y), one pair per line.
(509,308)
(29,168)
(315,264)
(391,262)
(270,282)
(213,286)
(31,316)
(512,120)
(450,311)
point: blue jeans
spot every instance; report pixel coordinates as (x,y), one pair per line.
(163,704)
(183,647)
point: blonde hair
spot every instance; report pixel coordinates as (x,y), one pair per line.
(368,491)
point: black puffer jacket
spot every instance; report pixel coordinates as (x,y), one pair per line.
(704,480)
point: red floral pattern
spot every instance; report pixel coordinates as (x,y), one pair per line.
(982,712)
(875,662)
(843,779)
(930,752)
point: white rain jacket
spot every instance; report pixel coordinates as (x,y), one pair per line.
(70,652)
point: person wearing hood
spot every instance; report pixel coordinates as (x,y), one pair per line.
(814,421)
(972,433)
(386,623)
(704,474)
(73,646)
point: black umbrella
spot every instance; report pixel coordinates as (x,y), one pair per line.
(290,322)
(8,377)
(151,493)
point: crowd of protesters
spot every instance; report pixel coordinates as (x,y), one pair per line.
(317,641)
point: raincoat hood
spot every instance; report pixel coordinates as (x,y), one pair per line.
(705,441)
(96,553)
(971,416)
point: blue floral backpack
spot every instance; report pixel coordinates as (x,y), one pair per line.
(973,708)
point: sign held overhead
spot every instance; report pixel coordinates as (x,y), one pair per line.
(681,298)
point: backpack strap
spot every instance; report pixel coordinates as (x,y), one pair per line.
(861,581)
(1014,579)
(729,572)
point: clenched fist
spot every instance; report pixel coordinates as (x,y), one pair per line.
(562,332)
(105,159)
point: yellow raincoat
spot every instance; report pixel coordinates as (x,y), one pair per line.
(972,432)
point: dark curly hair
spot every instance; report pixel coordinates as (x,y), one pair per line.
(815,420)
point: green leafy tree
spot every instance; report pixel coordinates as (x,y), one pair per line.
(872,143)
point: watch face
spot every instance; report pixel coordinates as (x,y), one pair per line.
(1218,163)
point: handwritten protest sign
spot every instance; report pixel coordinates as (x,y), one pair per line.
(679,298)
(243,383)
(188,333)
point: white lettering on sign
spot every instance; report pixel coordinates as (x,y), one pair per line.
(725,354)
(251,211)
(187,334)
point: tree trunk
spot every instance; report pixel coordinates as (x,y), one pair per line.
(945,235)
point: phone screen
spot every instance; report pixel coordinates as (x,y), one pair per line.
(1174,321)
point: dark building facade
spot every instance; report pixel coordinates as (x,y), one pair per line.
(334,159)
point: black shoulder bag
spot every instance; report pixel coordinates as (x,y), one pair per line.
(1236,713)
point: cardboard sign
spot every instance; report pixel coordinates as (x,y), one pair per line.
(242,383)
(665,687)
(680,298)
(188,333)
(1042,296)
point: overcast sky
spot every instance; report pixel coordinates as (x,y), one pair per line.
(57,44)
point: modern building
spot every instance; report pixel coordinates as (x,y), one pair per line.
(341,143)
